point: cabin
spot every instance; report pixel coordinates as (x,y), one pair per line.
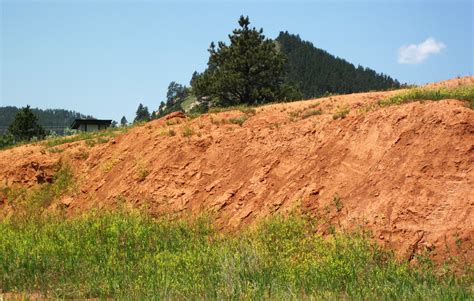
(90,125)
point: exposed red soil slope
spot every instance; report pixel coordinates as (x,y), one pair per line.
(405,172)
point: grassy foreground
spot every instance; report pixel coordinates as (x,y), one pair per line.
(128,255)
(465,93)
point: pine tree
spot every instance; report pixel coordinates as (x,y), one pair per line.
(25,126)
(123,121)
(247,71)
(175,92)
(142,114)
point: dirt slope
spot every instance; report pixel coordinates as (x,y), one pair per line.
(405,172)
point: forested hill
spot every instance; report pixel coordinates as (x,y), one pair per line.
(51,119)
(317,72)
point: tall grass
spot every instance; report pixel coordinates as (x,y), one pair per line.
(91,138)
(465,93)
(131,256)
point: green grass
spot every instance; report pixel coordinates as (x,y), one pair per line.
(240,120)
(465,93)
(131,256)
(91,138)
(187,102)
(8,144)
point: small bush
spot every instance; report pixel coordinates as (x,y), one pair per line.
(168,132)
(6,141)
(337,202)
(217,121)
(238,120)
(83,155)
(142,172)
(310,113)
(341,113)
(294,114)
(109,165)
(187,131)
(248,111)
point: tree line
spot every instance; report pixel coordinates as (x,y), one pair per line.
(316,72)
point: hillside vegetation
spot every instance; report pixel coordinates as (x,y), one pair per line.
(253,70)
(316,72)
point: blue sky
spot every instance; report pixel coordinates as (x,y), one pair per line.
(105,57)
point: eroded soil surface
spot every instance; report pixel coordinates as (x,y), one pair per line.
(405,172)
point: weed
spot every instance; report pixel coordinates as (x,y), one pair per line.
(294,114)
(458,241)
(310,113)
(142,172)
(101,140)
(341,113)
(193,115)
(55,150)
(465,93)
(130,256)
(248,111)
(187,131)
(83,155)
(91,142)
(238,120)
(336,200)
(313,105)
(214,120)
(170,132)
(109,165)
(275,126)
(201,125)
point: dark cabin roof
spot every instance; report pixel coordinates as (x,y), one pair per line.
(77,122)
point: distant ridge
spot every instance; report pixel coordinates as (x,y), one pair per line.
(55,120)
(317,72)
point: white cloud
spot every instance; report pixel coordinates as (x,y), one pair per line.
(415,54)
